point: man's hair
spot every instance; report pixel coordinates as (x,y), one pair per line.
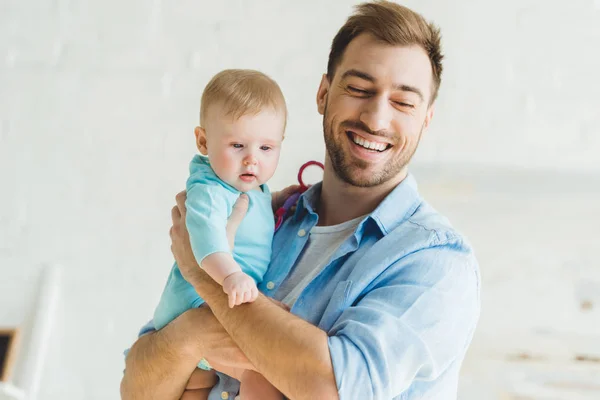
(393,24)
(242,92)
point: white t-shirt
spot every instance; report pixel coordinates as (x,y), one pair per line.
(323,241)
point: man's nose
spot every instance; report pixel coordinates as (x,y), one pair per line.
(377,114)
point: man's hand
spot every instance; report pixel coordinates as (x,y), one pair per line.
(180,239)
(217,346)
(278,198)
(199,385)
(240,208)
(180,242)
(240,288)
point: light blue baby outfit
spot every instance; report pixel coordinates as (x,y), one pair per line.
(209,204)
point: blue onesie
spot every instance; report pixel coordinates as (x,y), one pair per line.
(209,204)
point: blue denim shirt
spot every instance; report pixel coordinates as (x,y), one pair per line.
(399,299)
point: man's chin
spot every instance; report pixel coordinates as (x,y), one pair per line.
(358,177)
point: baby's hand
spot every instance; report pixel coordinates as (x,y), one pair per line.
(240,288)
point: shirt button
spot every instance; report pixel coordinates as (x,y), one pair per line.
(224,395)
(301,232)
(270,285)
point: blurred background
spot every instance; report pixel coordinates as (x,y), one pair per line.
(98,101)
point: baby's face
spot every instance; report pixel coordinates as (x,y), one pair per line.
(244,152)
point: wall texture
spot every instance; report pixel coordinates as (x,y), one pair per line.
(98,100)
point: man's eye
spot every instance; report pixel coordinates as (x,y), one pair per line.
(358,91)
(237,146)
(406,105)
(265,148)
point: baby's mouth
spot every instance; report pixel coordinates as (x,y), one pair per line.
(248,177)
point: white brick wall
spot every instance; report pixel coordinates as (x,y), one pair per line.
(98,100)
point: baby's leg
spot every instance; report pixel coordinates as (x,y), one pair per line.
(255,387)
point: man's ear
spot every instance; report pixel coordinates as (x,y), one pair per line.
(200,134)
(322,94)
(428,116)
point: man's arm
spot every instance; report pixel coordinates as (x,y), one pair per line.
(159,364)
(421,312)
(289,352)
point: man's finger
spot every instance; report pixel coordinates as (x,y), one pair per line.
(290,190)
(237,213)
(175,215)
(201,379)
(281,196)
(240,208)
(195,394)
(180,199)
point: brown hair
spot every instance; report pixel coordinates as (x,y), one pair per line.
(242,92)
(393,24)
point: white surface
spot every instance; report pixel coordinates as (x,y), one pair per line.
(9,391)
(36,334)
(97,105)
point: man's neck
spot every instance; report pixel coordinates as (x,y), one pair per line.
(340,202)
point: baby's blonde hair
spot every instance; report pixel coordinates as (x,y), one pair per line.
(242,92)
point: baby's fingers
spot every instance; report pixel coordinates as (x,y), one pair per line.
(239,298)
(232,299)
(246,296)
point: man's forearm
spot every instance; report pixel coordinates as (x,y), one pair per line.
(289,352)
(159,365)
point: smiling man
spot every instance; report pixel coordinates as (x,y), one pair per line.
(384,293)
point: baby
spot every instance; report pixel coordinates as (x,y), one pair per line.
(242,121)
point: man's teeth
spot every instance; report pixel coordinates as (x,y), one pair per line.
(368,145)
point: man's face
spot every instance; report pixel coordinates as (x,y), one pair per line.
(375,109)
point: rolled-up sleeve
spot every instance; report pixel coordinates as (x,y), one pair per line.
(416,319)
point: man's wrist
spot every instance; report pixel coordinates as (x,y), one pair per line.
(205,286)
(184,332)
(194,278)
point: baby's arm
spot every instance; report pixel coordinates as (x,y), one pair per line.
(206,220)
(239,286)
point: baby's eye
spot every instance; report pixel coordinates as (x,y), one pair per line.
(237,145)
(265,148)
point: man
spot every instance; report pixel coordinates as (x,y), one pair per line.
(384,292)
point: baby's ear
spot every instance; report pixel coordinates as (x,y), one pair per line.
(200,134)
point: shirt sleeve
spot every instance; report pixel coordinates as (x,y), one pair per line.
(417,319)
(206,220)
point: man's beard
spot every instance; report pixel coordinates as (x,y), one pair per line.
(345,166)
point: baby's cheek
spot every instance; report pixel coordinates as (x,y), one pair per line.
(229,162)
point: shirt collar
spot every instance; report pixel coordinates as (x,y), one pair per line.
(308,201)
(399,205)
(391,212)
